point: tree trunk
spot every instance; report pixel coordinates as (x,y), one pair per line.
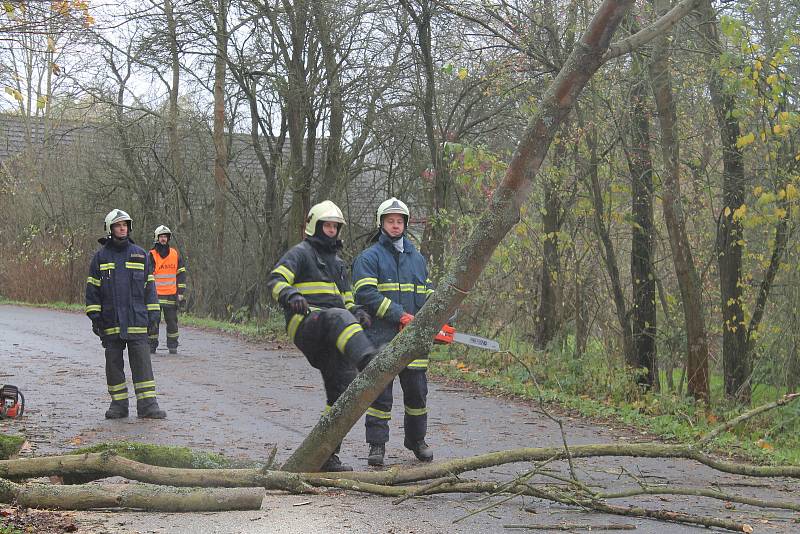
(174,146)
(688,279)
(500,216)
(220,147)
(581,312)
(735,361)
(297,111)
(640,166)
(435,232)
(547,316)
(609,255)
(331,175)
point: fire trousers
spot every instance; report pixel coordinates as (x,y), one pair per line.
(169,312)
(144,384)
(333,342)
(414,383)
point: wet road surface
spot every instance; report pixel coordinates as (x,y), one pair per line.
(239,398)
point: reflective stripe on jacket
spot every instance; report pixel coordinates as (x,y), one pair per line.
(120,293)
(319,275)
(387,283)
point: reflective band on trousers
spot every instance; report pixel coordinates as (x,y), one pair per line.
(416,411)
(380,414)
(347,333)
(294,322)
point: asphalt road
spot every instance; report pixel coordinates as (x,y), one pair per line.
(238,398)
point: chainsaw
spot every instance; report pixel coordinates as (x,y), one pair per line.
(12,402)
(449,335)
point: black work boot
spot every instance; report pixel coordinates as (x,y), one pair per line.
(376,454)
(117,410)
(173,350)
(334,465)
(150,411)
(420,449)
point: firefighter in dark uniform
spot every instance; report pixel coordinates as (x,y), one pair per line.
(391,282)
(312,285)
(121,303)
(170,278)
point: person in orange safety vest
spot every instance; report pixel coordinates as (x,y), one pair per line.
(170,277)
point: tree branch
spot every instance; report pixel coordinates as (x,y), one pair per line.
(645,35)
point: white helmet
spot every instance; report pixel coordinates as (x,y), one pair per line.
(392,205)
(115,216)
(324,211)
(161,230)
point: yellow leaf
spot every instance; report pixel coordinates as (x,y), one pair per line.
(791,192)
(777,129)
(462,73)
(14,93)
(51,45)
(757,64)
(764,445)
(745,140)
(727,211)
(41,102)
(740,212)
(461,365)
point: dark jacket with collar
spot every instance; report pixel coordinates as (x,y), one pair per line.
(120,292)
(313,269)
(388,283)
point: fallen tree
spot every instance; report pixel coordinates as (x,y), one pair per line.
(170,489)
(191,489)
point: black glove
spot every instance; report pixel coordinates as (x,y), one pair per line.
(363,318)
(96,328)
(298,304)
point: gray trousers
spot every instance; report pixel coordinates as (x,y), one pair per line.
(169,312)
(141,370)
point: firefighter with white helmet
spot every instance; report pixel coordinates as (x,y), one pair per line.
(390,279)
(121,303)
(312,285)
(170,276)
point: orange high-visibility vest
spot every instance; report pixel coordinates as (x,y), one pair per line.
(166,272)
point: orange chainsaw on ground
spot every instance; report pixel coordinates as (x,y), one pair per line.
(449,335)
(12,402)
